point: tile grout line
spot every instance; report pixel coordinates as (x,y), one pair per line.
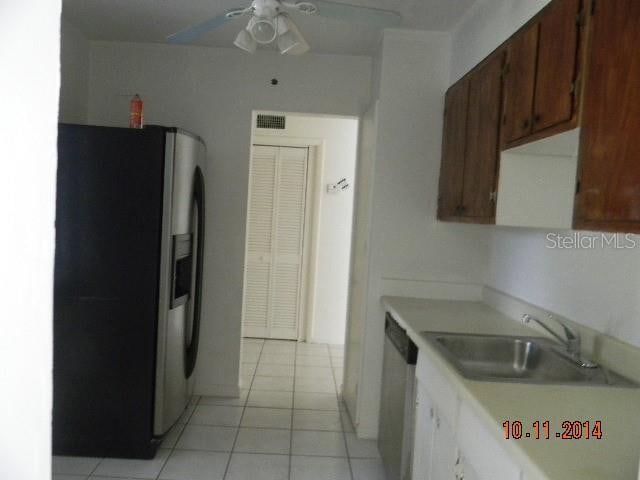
(244,409)
(317,430)
(184,427)
(244,405)
(274,454)
(156,477)
(95,468)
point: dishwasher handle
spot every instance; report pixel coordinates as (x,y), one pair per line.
(400,340)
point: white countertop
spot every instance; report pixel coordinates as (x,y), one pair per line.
(614,457)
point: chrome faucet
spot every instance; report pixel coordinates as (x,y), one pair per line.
(572,340)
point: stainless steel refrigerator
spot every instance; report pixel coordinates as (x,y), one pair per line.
(128,286)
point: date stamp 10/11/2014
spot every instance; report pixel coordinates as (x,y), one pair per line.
(542,430)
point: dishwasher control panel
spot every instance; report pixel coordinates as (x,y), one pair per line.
(398,336)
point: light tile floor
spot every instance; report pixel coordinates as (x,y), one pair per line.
(287,424)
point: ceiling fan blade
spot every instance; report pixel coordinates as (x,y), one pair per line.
(193,32)
(352,13)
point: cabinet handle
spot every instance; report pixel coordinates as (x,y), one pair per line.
(525,124)
(431,412)
(537,118)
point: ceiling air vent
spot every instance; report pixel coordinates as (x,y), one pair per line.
(273,122)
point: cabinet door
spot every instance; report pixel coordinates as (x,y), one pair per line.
(469,471)
(424,429)
(522,52)
(453,150)
(482,453)
(444,450)
(557,61)
(609,179)
(482,139)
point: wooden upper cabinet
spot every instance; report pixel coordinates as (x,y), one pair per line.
(482,139)
(453,150)
(574,64)
(555,87)
(609,171)
(520,76)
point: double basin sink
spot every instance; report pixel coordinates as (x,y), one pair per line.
(518,359)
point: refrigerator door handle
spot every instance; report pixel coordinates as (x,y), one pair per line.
(191,347)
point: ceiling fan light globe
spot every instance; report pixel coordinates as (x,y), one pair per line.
(246,42)
(263,30)
(282,24)
(301,46)
(288,42)
(300,49)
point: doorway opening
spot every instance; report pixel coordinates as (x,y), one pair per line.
(299,227)
(276,252)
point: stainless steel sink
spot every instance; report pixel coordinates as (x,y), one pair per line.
(517,359)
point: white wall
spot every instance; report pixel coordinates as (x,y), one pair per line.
(212,92)
(29,55)
(484,27)
(598,288)
(354,335)
(74,72)
(410,250)
(332,218)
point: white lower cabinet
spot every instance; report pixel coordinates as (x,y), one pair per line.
(424,432)
(444,450)
(484,454)
(466,470)
(451,442)
(434,449)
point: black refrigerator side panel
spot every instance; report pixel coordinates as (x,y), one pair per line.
(108,238)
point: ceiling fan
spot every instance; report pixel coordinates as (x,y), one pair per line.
(269,21)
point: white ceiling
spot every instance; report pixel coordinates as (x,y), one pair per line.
(153,20)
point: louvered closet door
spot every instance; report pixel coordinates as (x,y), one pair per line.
(262,178)
(275,229)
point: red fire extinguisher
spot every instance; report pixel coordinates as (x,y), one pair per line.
(136,115)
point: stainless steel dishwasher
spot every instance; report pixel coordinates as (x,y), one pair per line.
(397,402)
